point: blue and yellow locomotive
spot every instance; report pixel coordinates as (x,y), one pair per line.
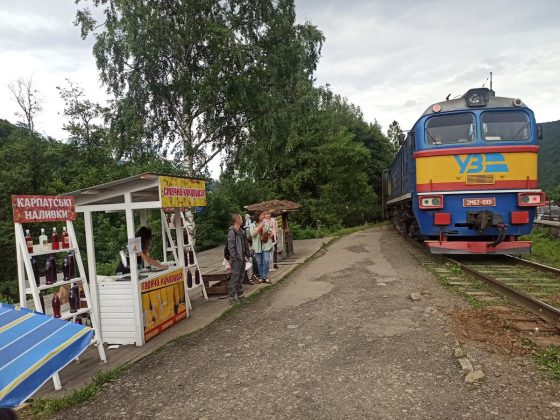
(465,178)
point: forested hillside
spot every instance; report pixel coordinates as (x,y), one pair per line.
(236,82)
(549,153)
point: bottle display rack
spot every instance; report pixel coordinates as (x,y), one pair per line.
(30,285)
(187,258)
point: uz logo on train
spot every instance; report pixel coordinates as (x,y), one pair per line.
(476,163)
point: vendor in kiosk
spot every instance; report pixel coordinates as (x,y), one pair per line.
(145,235)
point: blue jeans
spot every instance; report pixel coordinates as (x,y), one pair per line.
(262,263)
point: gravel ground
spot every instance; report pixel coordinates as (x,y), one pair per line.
(339,339)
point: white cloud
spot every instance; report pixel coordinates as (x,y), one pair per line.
(391,58)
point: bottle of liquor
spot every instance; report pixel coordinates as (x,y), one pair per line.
(54,239)
(42,299)
(56,305)
(191,257)
(36,273)
(185,236)
(50,270)
(65,238)
(43,240)
(71,265)
(77,294)
(66,269)
(189,279)
(73,298)
(28,241)
(197,277)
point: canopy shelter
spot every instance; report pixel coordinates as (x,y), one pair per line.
(282,208)
(33,348)
(134,307)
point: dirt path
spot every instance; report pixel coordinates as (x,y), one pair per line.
(340,339)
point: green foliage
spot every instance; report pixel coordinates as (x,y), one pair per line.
(182,74)
(5,299)
(549,170)
(549,361)
(47,407)
(300,232)
(228,197)
(189,80)
(545,248)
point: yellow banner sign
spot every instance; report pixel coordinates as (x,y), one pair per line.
(182,192)
(163,302)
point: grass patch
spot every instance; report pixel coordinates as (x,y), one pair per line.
(47,407)
(458,274)
(549,361)
(545,249)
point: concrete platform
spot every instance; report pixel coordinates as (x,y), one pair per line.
(79,374)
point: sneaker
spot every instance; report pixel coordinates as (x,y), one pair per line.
(240,293)
(232,300)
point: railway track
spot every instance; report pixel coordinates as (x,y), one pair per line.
(535,287)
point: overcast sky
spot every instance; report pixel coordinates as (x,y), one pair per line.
(392,58)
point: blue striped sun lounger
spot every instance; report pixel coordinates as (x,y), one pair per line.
(34,347)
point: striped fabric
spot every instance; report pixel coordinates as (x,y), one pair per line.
(33,347)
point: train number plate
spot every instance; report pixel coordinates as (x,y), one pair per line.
(479,202)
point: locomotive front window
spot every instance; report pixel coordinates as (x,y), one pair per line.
(450,129)
(505,126)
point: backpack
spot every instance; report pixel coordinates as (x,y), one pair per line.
(226,252)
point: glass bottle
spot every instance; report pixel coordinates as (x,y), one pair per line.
(36,273)
(56,305)
(197,277)
(65,238)
(73,298)
(28,241)
(43,240)
(191,257)
(42,300)
(66,269)
(49,270)
(189,279)
(54,239)
(71,265)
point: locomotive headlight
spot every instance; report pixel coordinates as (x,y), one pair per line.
(530,199)
(430,202)
(478,97)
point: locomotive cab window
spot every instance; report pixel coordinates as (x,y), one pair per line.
(450,129)
(505,126)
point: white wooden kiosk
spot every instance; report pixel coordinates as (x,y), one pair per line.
(135,307)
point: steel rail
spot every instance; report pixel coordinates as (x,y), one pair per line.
(539,308)
(537,266)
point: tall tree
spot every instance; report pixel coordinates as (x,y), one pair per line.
(175,70)
(394,133)
(28,99)
(85,118)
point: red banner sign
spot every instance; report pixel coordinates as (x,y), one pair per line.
(43,208)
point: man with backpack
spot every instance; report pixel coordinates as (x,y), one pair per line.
(238,250)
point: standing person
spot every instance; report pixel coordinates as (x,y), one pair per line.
(274,230)
(238,253)
(262,244)
(247,226)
